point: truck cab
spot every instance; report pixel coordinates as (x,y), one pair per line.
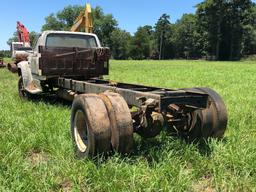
(18,48)
(76,55)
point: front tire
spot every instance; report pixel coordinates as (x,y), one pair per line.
(23,94)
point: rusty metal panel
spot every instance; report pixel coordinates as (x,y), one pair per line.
(73,62)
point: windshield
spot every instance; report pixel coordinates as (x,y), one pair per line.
(70,40)
(17,46)
(24,49)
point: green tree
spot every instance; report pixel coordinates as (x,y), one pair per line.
(52,23)
(5,53)
(33,36)
(152,41)
(103,24)
(68,15)
(222,27)
(141,44)
(120,47)
(249,28)
(163,32)
(185,37)
(14,38)
(62,20)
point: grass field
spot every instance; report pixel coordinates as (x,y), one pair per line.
(7,60)
(36,152)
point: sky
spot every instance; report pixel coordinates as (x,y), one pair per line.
(130,14)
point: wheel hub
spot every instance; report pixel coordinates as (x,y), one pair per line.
(80,131)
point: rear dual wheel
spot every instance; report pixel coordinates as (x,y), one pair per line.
(210,122)
(90,126)
(215,116)
(121,122)
(100,123)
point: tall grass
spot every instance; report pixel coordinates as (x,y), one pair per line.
(36,152)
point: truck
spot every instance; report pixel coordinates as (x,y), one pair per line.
(105,114)
(20,49)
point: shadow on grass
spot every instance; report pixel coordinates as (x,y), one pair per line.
(152,149)
(51,99)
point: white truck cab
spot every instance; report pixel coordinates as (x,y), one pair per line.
(50,39)
(18,48)
(63,54)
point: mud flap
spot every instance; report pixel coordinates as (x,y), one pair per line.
(30,85)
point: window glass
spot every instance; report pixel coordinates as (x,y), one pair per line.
(24,49)
(70,40)
(17,46)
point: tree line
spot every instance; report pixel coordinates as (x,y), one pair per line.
(219,30)
(5,53)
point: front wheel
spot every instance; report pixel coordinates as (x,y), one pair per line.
(22,91)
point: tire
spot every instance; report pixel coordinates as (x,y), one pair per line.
(23,94)
(90,126)
(121,122)
(210,122)
(218,113)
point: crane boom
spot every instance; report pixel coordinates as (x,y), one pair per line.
(23,34)
(84,21)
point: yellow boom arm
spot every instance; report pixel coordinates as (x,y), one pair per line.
(84,21)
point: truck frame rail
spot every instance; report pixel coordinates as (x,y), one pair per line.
(135,95)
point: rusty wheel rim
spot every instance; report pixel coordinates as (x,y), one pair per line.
(80,131)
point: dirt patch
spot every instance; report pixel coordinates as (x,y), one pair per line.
(36,157)
(203,185)
(64,186)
